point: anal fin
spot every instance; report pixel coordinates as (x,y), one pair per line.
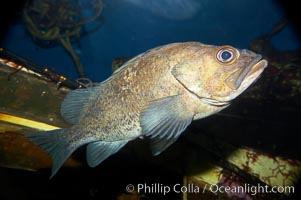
(101,150)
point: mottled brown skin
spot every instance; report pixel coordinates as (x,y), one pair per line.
(156,94)
(114,113)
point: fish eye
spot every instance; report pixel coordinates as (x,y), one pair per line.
(227,55)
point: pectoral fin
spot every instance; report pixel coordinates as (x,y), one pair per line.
(164,120)
(158,145)
(101,150)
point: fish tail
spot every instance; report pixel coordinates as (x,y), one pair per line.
(56,144)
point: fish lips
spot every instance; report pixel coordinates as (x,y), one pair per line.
(244,77)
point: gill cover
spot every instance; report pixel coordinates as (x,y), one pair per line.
(192,74)
(189,76)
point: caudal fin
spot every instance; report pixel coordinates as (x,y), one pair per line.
(55,144)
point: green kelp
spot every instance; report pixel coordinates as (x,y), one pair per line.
(234,166)
(62,21)
(155,94)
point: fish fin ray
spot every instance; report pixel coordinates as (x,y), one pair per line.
(164,120)
(53,143)
(158,145)
(101,150)
(75,102)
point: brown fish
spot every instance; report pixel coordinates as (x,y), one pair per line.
(156,94)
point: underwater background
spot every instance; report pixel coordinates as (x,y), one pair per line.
(126,28)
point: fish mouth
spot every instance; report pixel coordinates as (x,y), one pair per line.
(244,77)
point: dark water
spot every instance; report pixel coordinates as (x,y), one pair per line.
(129,27)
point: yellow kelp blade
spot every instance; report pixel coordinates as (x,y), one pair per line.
(29,102)
(26,122)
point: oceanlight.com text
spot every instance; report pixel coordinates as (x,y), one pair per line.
(250,189)
(158,188)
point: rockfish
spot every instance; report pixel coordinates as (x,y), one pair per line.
(156,94)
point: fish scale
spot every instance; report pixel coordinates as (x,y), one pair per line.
(156,94)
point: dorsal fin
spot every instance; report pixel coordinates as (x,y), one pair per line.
(132,62)
(76,101)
